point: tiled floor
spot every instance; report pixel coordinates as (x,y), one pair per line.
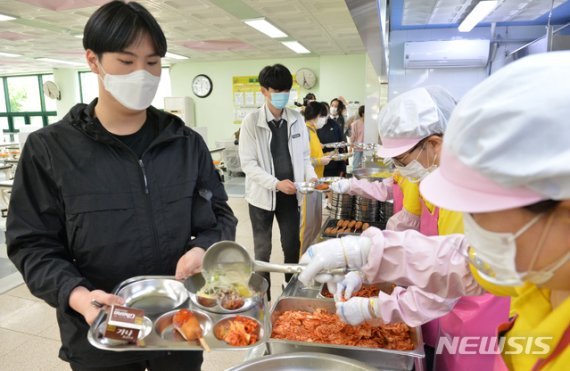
(29,335)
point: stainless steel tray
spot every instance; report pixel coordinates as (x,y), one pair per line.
(384,358)
(302,361)
(158,326)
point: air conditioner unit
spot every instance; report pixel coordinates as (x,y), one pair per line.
(446,54)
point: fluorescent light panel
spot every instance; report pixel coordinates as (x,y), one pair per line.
(265,27)
(4,17)
(11,55)
(60,61)
(174,56)
(481,10)
(296,47)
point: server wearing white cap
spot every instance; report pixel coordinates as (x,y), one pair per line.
(506,165)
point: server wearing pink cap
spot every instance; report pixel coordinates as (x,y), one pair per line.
(411,127)
(505,165)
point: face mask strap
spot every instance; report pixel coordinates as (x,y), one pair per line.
(527,226)
(542,237)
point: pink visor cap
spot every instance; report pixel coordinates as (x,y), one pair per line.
(394,147)
(456,187)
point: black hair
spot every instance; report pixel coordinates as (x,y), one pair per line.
(313,110)
(341,106)
(309,96)
(542,206)
(277,77)
(361,111)
(116,25)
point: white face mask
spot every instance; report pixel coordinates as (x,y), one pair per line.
(135,90)
(321,122)
(493,254)
(415,172)
(334,111)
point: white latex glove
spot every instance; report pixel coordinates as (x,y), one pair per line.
(341,186)
(352,282)
(350,252)
(325,160)
(355,311)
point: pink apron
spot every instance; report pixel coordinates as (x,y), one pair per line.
(471,316)
(398,197)
(428,227)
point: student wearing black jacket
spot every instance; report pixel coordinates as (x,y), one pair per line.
(116,189)
(332,132)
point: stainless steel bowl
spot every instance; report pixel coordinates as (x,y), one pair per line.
(154,295)
(305,187)
(257,285)
(303,361)
(368,172)
(335,145)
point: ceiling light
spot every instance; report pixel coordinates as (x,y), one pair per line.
(78,36)
(174,56)
(4,17)
(11,55)
(296,47)
(60,61)
(481,10)
(264,26)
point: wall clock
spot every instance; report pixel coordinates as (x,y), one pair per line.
(51,90)
(202,86)
(306,78)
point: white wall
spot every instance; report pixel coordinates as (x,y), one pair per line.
(67,80)
(337,75)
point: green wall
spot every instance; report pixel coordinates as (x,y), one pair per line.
(337,75)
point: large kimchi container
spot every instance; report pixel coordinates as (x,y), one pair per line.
(385,359)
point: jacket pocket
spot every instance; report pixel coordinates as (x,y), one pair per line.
(101,228)
(177,209)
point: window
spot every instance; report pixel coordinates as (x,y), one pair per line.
(24,94)
(22,104)
(90,87)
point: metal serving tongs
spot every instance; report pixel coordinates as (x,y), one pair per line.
(231,254)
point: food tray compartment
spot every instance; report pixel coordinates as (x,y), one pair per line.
(257,286)
(153,294)
(389,359)
(332,223)
(159,334)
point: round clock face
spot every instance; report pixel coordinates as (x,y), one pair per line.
(202,86)
(51,90)
(306,78)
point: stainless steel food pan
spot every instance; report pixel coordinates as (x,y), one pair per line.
(303,361)
(381,358)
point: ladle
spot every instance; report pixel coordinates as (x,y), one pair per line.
(225,255)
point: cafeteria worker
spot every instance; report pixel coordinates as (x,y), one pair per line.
(505,164)
(412,128)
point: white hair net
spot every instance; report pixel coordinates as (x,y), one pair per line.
(416,114)
(514,127)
